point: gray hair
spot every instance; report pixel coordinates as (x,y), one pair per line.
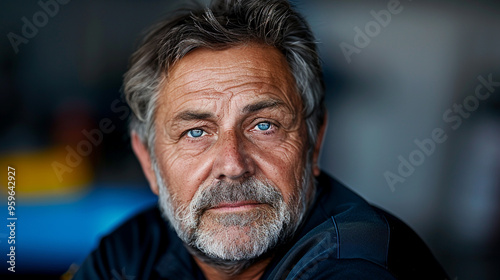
(225,23)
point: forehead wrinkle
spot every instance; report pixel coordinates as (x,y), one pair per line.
(209,77)
(214,91)
(197,60)
(188,86)
(187,64)
(219,74)
(192,74)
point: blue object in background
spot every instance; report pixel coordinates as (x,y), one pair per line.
(53,235)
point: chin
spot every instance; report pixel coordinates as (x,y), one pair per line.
(231,237)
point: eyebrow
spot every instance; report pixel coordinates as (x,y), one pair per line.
(252,108)
(193,115)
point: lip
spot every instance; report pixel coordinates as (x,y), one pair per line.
(232,206)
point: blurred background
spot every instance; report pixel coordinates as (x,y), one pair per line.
(396,72)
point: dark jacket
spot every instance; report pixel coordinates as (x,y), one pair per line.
(342,237)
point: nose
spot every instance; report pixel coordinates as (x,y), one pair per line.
(231,158)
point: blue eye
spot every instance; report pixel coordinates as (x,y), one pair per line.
(263,126)
(195,133)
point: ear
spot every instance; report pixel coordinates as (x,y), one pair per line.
(142,154)
(317,146)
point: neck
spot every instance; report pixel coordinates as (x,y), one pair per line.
(252,272)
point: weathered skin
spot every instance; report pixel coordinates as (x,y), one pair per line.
(226,94)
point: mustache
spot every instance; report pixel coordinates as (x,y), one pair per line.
(220,192)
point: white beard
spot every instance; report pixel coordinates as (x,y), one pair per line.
(237,236)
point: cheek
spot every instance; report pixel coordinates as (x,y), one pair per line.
(283,164)
(183,173)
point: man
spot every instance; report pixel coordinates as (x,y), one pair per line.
(228,124)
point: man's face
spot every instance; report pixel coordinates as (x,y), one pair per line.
(231,150)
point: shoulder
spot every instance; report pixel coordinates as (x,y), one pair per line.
(132,248)
(344,235)
(326,252)
(408,255)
